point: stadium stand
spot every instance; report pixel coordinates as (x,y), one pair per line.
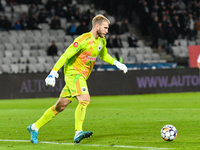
(25,50)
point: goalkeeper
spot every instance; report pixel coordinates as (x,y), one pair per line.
(78,61)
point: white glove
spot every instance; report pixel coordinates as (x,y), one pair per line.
(120,66)
(50,79)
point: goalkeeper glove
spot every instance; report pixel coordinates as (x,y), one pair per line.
(50,79)
(120,66)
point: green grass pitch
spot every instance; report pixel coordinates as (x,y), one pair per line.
(118,122)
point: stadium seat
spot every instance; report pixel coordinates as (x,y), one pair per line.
(25,52)
(183,42)
(49,59)
(21,34)
(53,33)
(33,45)
(176,50)
(60,32)
(60,45)
(2,47)
(140,43)
(110,50)
(191,43)
(14,68)
(139,50)
(48,67)
(14,60)
(23,60)
(21,39)
(115,49)
(5,34)
(5,68)
(184,49)
(17,46)
(13,40)
(148,50)
(8,53)
(198,41)
(22,68)
(67,44)
(42,53)
(69,39)
(124,37)
(7,9)
(37,33)
(8,46)
(32,68)
(148,58)
(25,46)
(24,8)
(32,60)
(1,54)
(34,53)
(0,69)
(13,33)
(29,33)
(42,46)
(156,57)
(132,51)
(17,9)
(5,40)
(40,67)
(29,39)
(125,44)
(17,53)
(60,39)
(139,58)
(41,59)
(6,60)
(55,58)
(45,26)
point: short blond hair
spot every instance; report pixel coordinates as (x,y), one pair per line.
(98,19)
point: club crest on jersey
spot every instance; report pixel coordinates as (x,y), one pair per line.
(75,44)
(83,89)
(99,47)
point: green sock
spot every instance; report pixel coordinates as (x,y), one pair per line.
(80,114)
(46,117)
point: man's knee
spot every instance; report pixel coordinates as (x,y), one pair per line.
(85,97)
(61,104)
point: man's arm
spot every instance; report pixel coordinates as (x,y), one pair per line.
(107,58)
(69,52)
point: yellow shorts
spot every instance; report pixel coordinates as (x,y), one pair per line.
(75,85)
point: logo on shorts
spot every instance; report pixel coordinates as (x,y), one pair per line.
(83,89)
(75,44)
(99,47)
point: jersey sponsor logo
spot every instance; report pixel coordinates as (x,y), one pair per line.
(90,58)
(99,47)
(75,44)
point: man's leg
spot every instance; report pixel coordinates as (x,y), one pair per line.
(49,114)
(80,113)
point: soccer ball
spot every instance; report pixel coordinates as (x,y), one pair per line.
(168,132)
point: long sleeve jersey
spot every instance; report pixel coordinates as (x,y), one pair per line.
(80,56)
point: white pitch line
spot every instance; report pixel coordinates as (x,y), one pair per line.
(92,145)
(174,109)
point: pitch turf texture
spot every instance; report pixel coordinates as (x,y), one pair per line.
(118,122)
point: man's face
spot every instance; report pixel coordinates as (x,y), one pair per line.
(102,29)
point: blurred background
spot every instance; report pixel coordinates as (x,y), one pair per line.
(145,35)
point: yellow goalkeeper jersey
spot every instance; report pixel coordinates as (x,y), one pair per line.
(80,56)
